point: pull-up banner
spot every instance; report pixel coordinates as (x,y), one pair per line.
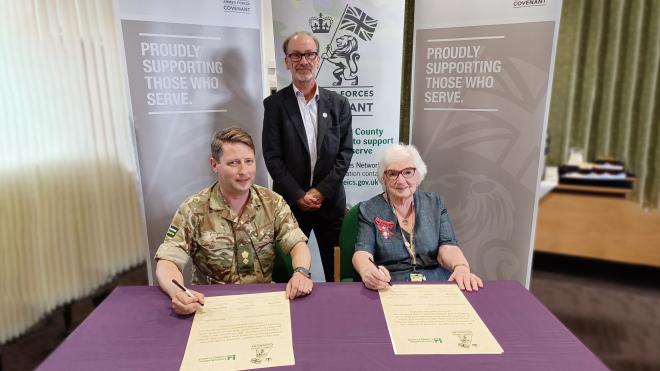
(360,49)
(193,67)
(481,93)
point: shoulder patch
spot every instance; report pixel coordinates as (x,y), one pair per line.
(171,231)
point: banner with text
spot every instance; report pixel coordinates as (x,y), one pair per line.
(481,91)
(193,67)
(360,49)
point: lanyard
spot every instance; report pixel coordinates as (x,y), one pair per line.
(409,245)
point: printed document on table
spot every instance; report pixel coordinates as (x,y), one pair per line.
(239,332)
(434,319)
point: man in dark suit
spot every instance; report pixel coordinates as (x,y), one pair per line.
(308,144)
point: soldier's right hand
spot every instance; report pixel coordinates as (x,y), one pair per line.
(184,304)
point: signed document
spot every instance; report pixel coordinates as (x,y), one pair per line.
(239,332)
(434,319)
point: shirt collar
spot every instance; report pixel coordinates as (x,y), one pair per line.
(217,202)
(299,94)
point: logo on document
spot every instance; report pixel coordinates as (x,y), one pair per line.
(228,357)
(261,353)
(464,339)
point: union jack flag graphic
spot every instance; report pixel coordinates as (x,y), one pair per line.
(358,22)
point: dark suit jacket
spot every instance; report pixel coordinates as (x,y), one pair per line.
(287,156)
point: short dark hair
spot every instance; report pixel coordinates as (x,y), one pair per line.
(229,135)
(285,44)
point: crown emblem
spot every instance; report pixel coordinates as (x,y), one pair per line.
(320,24)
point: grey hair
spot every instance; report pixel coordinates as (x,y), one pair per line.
(399,152)
(285,44)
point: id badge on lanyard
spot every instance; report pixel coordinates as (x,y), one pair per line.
(417,277)
(410,248)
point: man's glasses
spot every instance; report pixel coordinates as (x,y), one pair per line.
(310,56)
(394,174)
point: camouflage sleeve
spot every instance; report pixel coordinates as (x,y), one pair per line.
(287,232)
(178,238)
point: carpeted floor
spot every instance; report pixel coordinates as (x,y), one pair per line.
(614,309)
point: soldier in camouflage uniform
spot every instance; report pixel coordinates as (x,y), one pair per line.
(229,229)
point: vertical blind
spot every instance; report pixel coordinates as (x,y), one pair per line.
(69,210)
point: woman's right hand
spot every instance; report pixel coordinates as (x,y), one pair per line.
(376,278)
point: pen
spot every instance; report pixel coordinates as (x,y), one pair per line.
(376,265)
(186,290)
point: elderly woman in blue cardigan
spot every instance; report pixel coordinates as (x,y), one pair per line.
(405,234)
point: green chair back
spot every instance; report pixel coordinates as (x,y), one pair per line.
(347,238)
(282,267)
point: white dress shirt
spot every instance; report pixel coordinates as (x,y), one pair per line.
(309,113)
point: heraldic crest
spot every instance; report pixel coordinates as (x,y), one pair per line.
(342,51)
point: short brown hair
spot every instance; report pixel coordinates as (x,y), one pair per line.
(229,135)
(285,44)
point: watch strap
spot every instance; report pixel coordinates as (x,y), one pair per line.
(303,270)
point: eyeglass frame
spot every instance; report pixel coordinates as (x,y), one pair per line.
(390,174)
(300,56)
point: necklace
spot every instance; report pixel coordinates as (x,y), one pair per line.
(406,218)
(408,245)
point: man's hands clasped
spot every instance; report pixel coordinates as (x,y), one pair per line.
(311,200)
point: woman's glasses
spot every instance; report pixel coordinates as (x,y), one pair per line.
(394,174)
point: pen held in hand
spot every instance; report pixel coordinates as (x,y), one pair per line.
(186,291)
(376,265)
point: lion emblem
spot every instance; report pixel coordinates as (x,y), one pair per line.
(345,57)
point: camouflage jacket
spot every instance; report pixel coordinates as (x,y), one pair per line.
(225,248)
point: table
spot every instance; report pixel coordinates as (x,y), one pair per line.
(340,326)
(597,225)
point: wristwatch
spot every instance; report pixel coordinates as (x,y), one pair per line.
(303,270)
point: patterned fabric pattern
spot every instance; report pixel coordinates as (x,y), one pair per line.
(226,247)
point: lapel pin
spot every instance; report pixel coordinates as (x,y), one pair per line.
(325,115)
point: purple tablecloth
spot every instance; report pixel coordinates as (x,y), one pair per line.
(338,327)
